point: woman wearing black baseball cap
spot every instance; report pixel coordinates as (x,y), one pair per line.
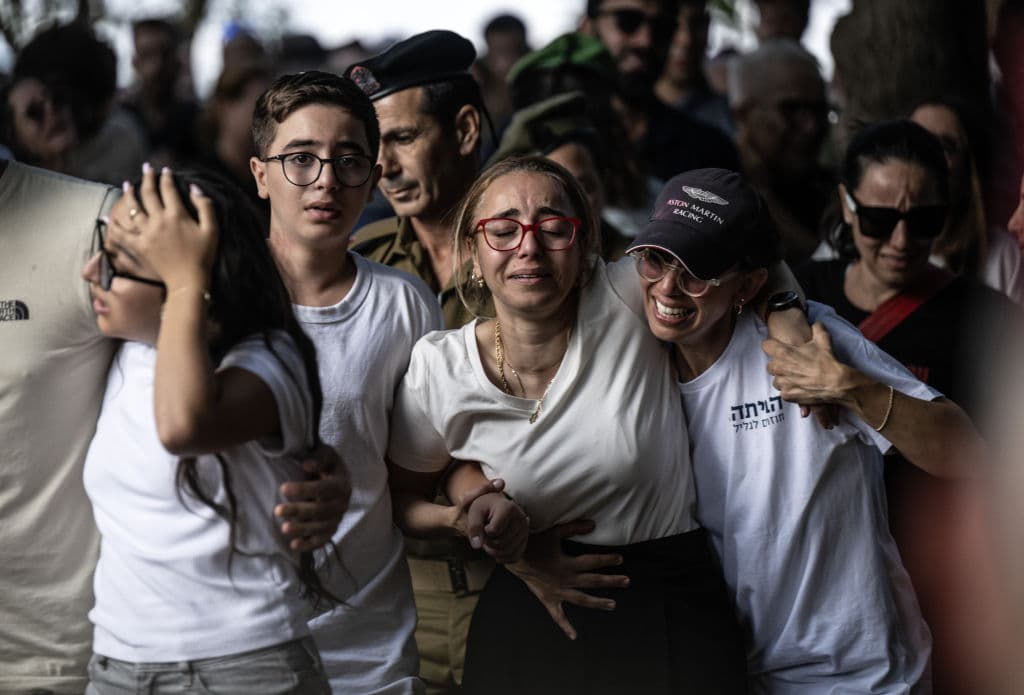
(796,511)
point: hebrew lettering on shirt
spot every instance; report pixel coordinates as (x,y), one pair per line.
(739,414)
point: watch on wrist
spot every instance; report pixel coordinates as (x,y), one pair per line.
(781,301)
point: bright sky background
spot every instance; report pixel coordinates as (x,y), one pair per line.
(336,22)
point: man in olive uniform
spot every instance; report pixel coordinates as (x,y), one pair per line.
(430,112)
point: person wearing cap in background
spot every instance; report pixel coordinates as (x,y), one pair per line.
(431,114)
(637,33)
(796,511)
(430,111)
(559,129)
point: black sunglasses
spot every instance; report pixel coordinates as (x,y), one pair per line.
(107,270)
(629,22)
(924,222)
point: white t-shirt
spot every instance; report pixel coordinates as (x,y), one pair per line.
(1004,265)
(363,345)
(798,517)
(53,365)
(610,443)
(163,588)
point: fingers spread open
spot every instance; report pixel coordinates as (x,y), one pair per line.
(558,615)
(596,580)
(579,598)
(591,562)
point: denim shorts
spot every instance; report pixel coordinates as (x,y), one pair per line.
(292,668)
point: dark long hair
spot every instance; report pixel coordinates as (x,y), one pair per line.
(247,297)
(901,140)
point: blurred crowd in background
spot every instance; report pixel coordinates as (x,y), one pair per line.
(638,101)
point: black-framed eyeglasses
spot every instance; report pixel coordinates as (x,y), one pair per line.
(629,20)
(304,168)
(653,265)
(924,222)
(107,270)
(507,234)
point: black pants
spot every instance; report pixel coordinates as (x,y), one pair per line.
(673,630)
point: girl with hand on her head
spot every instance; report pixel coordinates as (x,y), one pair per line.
(211,403)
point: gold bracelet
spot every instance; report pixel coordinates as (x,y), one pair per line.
(888,411)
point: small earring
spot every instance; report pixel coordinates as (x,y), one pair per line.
(477,279)
(739,308)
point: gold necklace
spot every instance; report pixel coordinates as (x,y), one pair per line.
(499,356)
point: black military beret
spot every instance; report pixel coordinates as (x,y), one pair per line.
(433,56)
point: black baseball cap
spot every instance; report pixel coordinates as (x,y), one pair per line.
(709,220)
(427,58)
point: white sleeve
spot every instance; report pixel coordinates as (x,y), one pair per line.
(280,367)
(626,283)
(414,442)
(1003,267)
(852,348)
(431,318)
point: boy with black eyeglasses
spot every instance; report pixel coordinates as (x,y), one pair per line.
(317,139)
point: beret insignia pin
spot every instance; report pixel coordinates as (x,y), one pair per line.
(364,79)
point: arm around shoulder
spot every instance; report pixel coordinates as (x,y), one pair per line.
(935,435)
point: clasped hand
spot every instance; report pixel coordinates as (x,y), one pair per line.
(492,521)
(808,374)
(315,506)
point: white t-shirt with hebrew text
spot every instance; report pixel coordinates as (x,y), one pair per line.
(798,517)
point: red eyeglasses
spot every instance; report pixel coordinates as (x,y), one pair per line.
(552,233)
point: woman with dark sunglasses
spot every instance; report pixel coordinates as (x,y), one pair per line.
(944,328)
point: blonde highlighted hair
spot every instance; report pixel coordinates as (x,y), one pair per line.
(477,299)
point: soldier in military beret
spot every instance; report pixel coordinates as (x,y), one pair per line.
(431,113)
(430,110)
